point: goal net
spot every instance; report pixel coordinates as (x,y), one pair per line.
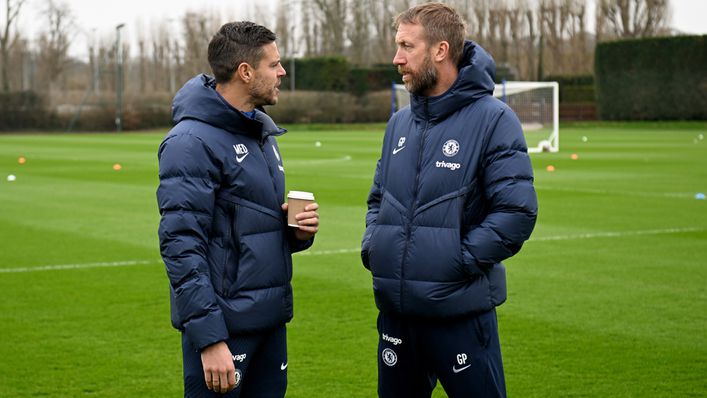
(535,103)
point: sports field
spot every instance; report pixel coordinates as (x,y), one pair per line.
(607,299)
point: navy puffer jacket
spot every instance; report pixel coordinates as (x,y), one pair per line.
(452,197)
(223,235)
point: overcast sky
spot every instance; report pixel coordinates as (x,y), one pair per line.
(98,18)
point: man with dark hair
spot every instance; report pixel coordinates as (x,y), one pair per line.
(452,197)
(223,233)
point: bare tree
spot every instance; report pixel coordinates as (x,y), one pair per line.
(306,25)
(382,14)
(23,57)
(142,66)
(552,23)
(563,34)
(631,18)
(358,33)
(284,28)
(174,65)
(520,48)
(532,54)
(54,42)
(12,11)
(332,18)
(498,16)
(481,17)
(578,52)
(198,29)
(161,72)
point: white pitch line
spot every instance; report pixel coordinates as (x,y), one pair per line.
(619,234)
(75,266)
(677,195)
(356,250)
(320,161)
(327,252)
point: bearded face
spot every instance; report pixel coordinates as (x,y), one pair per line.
(414,59)
(421,80)
(265,88)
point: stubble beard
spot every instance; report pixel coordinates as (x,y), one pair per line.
(262,94)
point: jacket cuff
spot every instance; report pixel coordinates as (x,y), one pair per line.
(297,245)
(206,330)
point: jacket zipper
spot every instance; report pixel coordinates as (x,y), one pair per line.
(261,144)
(413,207)
(229,239)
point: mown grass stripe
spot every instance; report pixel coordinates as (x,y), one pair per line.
(129,263)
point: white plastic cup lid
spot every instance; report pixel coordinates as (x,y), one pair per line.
(300,195)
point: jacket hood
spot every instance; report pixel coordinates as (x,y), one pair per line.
(477,72)
(199,100)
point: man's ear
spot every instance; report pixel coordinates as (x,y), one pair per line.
(441,51)
(244,72)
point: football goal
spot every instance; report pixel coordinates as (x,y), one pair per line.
(535,103)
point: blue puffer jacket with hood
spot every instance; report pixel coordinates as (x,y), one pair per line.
(452,197)
(223,236)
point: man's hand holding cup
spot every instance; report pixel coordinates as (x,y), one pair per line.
(302,214)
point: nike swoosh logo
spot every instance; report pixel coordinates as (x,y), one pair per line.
(454,368)
(396,150)
(240,158)
(283,366)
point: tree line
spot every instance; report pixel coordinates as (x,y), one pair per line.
(531,38)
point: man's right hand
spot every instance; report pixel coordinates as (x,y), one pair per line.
(219,371)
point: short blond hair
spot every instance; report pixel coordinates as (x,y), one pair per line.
(440,23)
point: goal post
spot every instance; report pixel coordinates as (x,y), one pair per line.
(537,105)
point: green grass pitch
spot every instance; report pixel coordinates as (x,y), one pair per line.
(607,299)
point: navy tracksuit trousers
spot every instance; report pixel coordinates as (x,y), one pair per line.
(261,366)
(464,354)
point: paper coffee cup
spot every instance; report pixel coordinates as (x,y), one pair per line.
(296,201)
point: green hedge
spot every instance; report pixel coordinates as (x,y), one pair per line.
(336,74)
(318,74)
(24,110)
(330,107)
(379,77)
(574,88)
(652,79)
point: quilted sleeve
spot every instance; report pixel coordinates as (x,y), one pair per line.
(510,196)
(189,178)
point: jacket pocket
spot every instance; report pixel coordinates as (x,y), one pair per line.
(261,259)
(386,246)
(258,256)
(482,328)
(368,236)
(232,247)
(435,255)
(261,264)
(435,241)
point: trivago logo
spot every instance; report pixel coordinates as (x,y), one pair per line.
(392,339)
(448,165)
